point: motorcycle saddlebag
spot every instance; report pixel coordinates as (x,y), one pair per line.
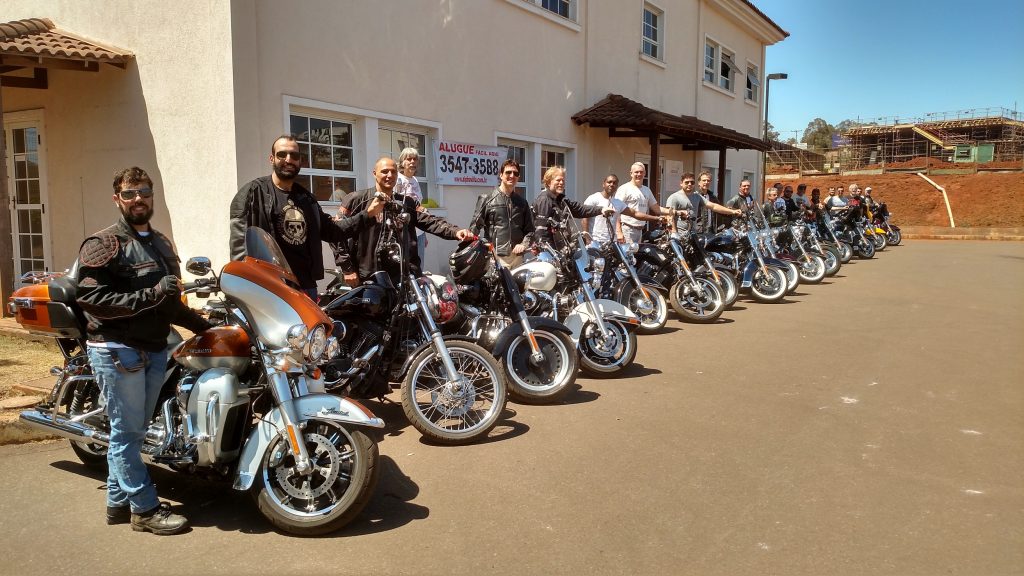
(37,313)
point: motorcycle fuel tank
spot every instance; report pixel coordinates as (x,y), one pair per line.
(219,347)
(537,275)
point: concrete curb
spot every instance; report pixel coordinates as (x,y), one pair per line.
(17,432)
(946,233)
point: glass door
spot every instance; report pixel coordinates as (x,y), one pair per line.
(29,224)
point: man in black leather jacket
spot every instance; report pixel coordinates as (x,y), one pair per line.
(550,205)
(504,217)
(291,214)
(129,289)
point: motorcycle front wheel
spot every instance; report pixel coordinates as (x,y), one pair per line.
(601,358)
(865,249)
(546,382)
(792,272)
(894,237)
(454,412)
(880,241)
(845,252)
(652,314)
(813,271)
(833,262)
(332,494)
(701,305)
(770,287)
(730,289)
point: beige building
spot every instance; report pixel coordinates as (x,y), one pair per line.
(196,93)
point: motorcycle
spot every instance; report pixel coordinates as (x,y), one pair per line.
(791,239)
(850,229)
(826,228)
(559,284)
(615,270)
(241,402)
(881,218)
(452,390)
(677,261)
(537,354)
(743,248)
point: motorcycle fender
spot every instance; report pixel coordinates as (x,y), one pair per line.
(512,331)
(610,309)
(319,406)
(776,263)
(647,281)
(748,274)
(894,227)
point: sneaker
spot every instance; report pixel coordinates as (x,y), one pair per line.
(159,520)
(118,515)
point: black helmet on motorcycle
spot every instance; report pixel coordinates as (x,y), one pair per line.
(469,261)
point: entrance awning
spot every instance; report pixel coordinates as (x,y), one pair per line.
(625,118)
(29,48)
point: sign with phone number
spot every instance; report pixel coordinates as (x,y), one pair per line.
(467,164)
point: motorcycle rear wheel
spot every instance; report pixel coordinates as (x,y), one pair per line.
(701,306)
(528,384)
(814,271)
(603,359)
(86,399)
(454,413)
(768,288)
(653,321)
(344,475)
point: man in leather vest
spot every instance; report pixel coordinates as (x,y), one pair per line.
(129,290)
(504,217)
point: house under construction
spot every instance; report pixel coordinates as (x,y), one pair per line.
(971,139)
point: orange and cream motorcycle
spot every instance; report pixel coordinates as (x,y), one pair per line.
(242,401)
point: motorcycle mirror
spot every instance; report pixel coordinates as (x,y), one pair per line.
(199,266)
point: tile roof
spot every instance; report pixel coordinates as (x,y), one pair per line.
(617,111)
(39,38)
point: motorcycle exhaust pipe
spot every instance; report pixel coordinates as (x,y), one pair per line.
(80,432)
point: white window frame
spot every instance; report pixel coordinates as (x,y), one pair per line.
(656,44)
(426,156)
(537,7)
(534,146)
(753,83)
(721,55)
(365,137)
(524,165)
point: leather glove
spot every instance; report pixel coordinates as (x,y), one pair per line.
(168,286)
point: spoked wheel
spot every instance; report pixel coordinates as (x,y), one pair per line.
(652,310)
(833,262)
(85,399)
(812,271)
(768,287)
(604,357)
(701,304)
(865,249)
(341,480)
(456,411)
(894,237)
(880,241)
(543,382)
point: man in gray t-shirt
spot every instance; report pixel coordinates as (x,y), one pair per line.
(685,199)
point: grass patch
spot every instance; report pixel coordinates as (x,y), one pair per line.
(23,360)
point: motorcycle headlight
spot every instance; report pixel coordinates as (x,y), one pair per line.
(333,348)
(632,247)
(598,266)
(316,344)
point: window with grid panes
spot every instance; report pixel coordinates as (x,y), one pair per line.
(652,32)
(564,8)
(328,169)
(393,140)
(551,157)
(517,151)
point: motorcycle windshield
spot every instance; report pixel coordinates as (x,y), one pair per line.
(261,246)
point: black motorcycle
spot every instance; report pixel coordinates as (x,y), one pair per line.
(537,354)
(617,278)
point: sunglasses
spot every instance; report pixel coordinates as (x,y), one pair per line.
(131,194)
(511,172)
(282,154)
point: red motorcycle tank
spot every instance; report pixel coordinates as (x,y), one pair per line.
(219,347)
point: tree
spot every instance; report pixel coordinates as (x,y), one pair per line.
(773,134)
(818,134)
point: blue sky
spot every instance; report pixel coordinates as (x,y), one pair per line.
(871,58)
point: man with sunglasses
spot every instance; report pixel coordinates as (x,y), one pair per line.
(504,217)
(129,288)
(291,214)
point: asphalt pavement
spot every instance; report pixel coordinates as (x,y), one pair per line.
(872,424)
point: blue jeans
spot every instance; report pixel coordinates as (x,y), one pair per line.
(131,381)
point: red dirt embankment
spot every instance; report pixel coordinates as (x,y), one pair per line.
(984,200)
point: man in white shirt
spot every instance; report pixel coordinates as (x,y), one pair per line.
(598,226)
(641,200)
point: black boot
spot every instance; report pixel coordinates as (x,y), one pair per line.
(118,515)
(159,520)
